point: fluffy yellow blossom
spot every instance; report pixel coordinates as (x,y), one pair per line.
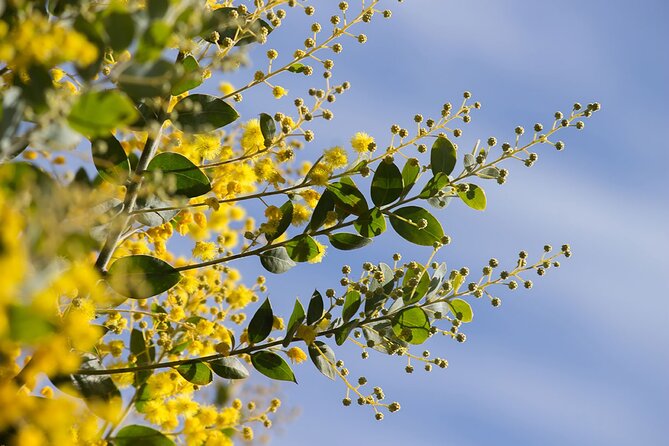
(205,250)
(228,417)
(320,174)
(208,146)
(226,88)
(266,170)
(311,197)
(300,214)
(335,157)
(297,355)
(306,333)
(240,297)
(361,141)
(252,139)
(279,92)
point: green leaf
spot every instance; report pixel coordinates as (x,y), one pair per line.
(469,162)
(371,223)
(383,338)
(148,79)
(191,78)
(143,397)
(145,354)
(400,218)
(26,325)
(488,173)
(157,8)
(110,160)
(296,319)
(97,113)
(297,68)
(351,305)
(325,204)
(190,180)
(412,294)
(200,113)
(302,248)
(261,323)
(434,185)
(437,279)
(153,218)
(443,156)
(387,184)
(272,366)
(315,310)
(284,223)
(342,332)
(346,241)
(474,197)
(120,29)
(196,373)
(388,279)
(323,358)
(412,325)
(153,41)
(348,197)
(229,368)
(233,27)
(456,279)
(98,391)
(135,434)
(276,260)
(410,173)
(141,276)
(267,128)
(461,309)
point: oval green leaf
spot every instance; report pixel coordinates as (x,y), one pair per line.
(147,80)
(135,434)
(387,184)
(351,305)
(197,373)
(400,220)
(474,197)
(190,180)
(323,358)
(141,276)
(461,309)
(276,260)
(302,248)
(267,128)
(260,325)
(315,310)
(412,294)
(229,368)
(371,223)
(272,366)
(348,197)
(191,77)
(443,156)
(110,160)
(410,173)
(296,319)
(412,325)
(347,242)
(97,113)
(200,113)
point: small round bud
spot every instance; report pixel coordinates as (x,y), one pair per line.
(519,130)
(496,301)
(460,337)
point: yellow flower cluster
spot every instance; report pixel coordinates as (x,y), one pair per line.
(35,40)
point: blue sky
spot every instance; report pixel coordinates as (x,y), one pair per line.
(582,358)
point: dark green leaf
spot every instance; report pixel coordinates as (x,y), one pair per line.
(410,173)
(387,184)
(341,334)
(347,242)
(284,223)
(261,323)
(434,185)
(374,303)
(110,160)
(400,219)
(229,368)
(144,352)
(461,309)
(197,373)
(191,78)
(412,294)
(348,197)
(190,180)
(296,319)
(371,223)
(141,276)
(412,325)
(276,260)
(157,8)
(272,366)
(147,80)
(97,113)
(323,358)
(302,248)
(443,156)
(325,204)
(120,30)
(267,128)
(351,305)
(27,325)
(474,197)
(135,434)
(315,310)
(200,113)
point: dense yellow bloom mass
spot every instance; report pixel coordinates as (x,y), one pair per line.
(361,141)
(38,41)
(252,140)
(297,355)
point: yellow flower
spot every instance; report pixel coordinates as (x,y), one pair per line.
(300,214)
(335,157)
(279,92)
(240,297)
(306,333)
(311,197)
(321,253)
(207,145)
(226,88)
(252,139)
(297,355)
(205,250)
(361,141)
